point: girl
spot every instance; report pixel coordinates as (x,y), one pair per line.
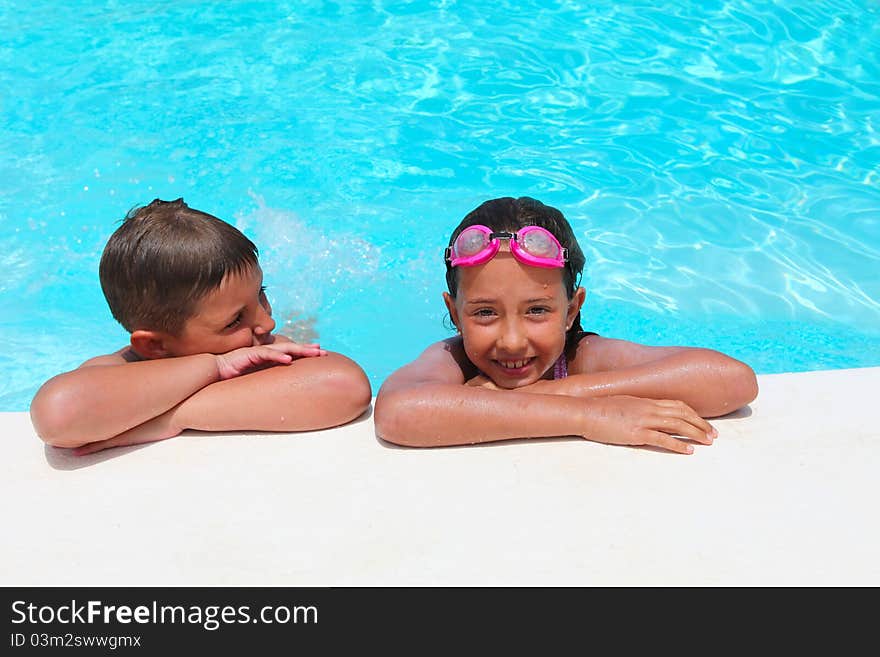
(522,367)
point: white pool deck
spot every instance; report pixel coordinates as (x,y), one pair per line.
(787,495)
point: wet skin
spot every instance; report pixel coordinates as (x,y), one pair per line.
(512,318)
(237,314)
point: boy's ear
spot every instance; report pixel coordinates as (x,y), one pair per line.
(450,306)
(149,344)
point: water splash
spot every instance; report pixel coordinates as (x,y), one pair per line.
(309,269)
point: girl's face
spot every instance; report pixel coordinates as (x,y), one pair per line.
(512,318)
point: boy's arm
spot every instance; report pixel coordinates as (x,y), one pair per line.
(307,394)
(107,396)
(708,381)
(426,404)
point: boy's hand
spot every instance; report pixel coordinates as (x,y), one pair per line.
(160,427)
(247,359)
(625,420)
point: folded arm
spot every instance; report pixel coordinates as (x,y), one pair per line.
(427,403)
(307,394)
(708,381)
(108,398)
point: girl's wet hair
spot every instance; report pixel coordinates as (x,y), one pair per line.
(509,214)
(163,259)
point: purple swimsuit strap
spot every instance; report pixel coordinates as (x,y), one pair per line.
(560,368)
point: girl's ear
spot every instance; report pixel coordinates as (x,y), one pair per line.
(149,344)
(574,306)
(453,312)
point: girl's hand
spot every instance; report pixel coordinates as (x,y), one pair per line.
(482,381)
(247,359)
(625,420)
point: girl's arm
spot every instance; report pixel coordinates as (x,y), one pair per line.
(708,381)
(427,404)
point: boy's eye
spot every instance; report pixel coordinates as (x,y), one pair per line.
(264,300)
(235,322)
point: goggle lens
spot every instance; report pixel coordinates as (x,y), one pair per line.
(470,243)
(531,245)
(539,243)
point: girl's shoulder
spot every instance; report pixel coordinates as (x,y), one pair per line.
(450,353)
(596,353)
(444,361)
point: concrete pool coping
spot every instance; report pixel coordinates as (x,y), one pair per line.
(785,496)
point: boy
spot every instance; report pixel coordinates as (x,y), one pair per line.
(189,289)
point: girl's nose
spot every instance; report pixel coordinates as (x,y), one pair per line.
(512,338)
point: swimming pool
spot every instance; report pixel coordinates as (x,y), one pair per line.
(719,161)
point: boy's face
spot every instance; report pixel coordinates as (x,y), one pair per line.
(512,318)
(236,314)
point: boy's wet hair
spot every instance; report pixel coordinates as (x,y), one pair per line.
(509,214)
(163,259)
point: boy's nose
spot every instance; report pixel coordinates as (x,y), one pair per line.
(264,323)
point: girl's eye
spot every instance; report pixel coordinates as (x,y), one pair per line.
(484,312)
(537,310)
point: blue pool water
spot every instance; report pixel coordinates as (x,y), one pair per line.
(719,161)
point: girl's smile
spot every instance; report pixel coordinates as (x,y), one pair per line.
(518,368)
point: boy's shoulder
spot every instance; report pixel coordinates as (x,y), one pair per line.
(124,355)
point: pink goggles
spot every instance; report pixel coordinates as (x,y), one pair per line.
(531,245)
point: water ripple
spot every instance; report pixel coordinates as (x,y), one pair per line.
(720,160)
